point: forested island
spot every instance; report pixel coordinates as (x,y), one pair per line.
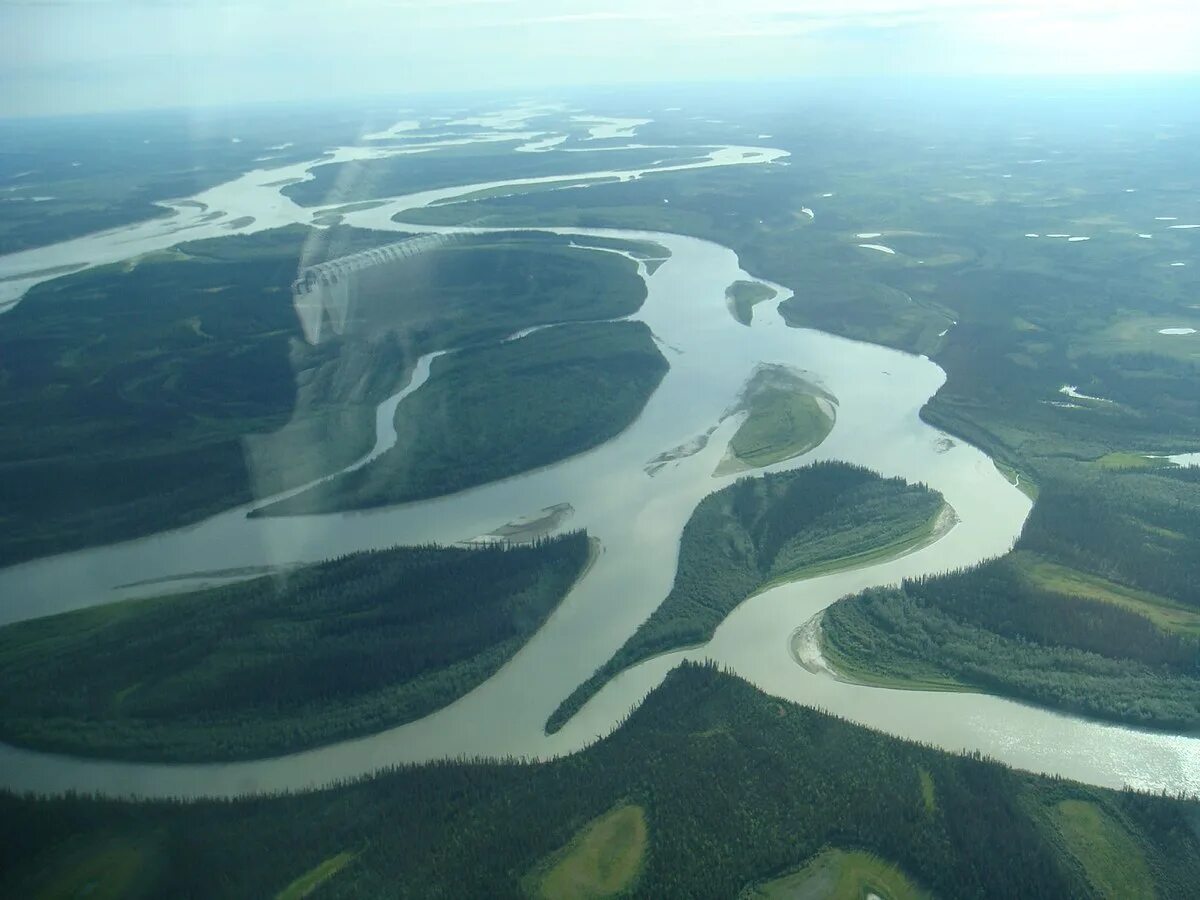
(153,393)
(1030,629)
(494,411)
(761,531)
(283,662)
(710,788)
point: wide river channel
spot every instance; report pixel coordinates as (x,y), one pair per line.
(638,518)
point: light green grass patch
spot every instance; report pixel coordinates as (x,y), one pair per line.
(1165,613)
(1124,460)
(840,875)
(603,860)
(928,795)
(104,868)
(1112,859)
(786,416)
(316,876)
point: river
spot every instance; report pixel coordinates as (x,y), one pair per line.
(637,517)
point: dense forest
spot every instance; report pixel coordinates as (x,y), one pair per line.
(280,663)
(780,527)
(780,785)
(995,627)
(491,412)
(151,394)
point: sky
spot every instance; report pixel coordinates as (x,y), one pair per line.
(67,56)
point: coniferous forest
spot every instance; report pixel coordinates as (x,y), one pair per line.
(282,662)
(736,787)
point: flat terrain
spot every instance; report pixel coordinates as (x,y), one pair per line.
(736,789)
(602,860)
(280,663)
(786,416)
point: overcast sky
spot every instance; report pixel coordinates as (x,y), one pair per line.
(95,55)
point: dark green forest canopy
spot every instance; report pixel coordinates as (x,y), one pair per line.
(128,389)
(281,663)
(995,628)
(492,412)
(780,783)
(758,531)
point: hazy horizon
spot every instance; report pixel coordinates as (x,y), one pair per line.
(86,56)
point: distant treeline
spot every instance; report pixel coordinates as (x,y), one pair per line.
(280,663)
(778,527)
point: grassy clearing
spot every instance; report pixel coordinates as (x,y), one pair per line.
(840,875)
(742,296)
(1121,460)
(316,876)
(928,795)
(1112,859)
(1165,613)
(602,860)
(102,868)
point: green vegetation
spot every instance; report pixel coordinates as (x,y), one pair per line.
(738,788)
(1166,614)
(761,531)
(104,867)
(491,412)
(331,651)
(315,877)
(840,875)
(786,416)
(1023,627)
(603,860)
(1110,855)
(928,795)
(742,296)
(151,394)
